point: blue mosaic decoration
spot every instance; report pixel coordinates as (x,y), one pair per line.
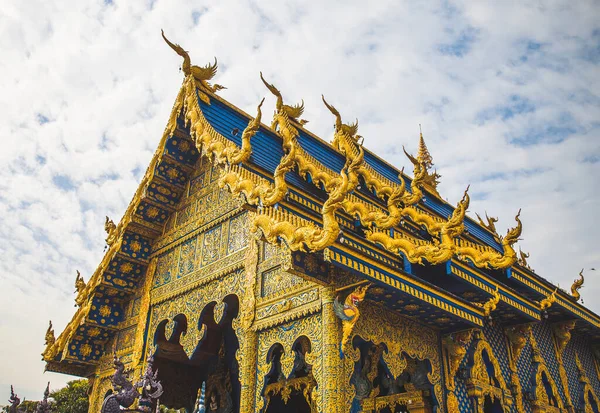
(123,274)
(187,257)
(543,336)
(525,372)
(164,194)
(105,311)
(495,337)
(152,213)
(86,351)
(171,172)
(182,149)
(136,246)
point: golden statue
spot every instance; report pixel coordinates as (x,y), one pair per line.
(547,302)
(201,74)
(348,312)
(79,289)
(491,223)
(577,284)
(111,230)
(490,305)
(292,112)
(50,340)
(523,259)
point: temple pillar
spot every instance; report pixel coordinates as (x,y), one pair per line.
(248,346)
(331,388)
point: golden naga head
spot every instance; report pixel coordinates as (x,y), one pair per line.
(455,224)
(340,127)
(293,112)
(50,339)
(513,234)
(357,295)
(577,285)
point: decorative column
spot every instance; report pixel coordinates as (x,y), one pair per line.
(246,355)
(140,333)
(331,388)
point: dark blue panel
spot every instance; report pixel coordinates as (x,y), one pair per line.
(321,151)
(181,149)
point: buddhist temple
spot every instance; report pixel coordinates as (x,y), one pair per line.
(265,269)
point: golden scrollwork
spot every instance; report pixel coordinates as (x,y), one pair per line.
(577,285)
(248,304)
(138,346)
(586,388)
(437,253)
(490,225)
(285,387)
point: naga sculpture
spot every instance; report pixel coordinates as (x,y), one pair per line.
(348,313)
(562,333)
(127,393)
(44,406)
(415,251)
(547,302)
(303,235)
(456,348)
(201,74)
(14,401)
(292,113)
(80,290)
(491,258)
(111,231)
(577,285)
(523,259)
(491,304)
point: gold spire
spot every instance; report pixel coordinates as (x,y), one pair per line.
(423,154)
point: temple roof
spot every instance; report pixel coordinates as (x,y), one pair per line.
(427,259)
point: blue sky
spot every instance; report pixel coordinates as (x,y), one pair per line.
(507,92)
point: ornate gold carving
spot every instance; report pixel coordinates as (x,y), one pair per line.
(491,224)
(479,382)
(523,259)
(441,252)
(248,304)
(286,335)
(111,231)
(586,388)
(285,387)
(517,340)
(491,258)
(200,74)
(547,302)
(491,304)
(413,401)
(541,403)
(577,284)
(80,290)
(455,346)
(349,313)
(401,337)
(562,334)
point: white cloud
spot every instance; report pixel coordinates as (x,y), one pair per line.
(507,93)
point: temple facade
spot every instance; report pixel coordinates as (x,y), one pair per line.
(289,274)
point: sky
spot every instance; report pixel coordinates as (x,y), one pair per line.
(507,93)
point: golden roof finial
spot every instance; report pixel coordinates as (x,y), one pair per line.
(577,284)
(423,154)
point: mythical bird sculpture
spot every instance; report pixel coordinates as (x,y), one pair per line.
(201,74)
(292,112)
(111,230)
(14,401)
(44,406)
(456,348)
(79,289)
(577,285)
(348,312)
